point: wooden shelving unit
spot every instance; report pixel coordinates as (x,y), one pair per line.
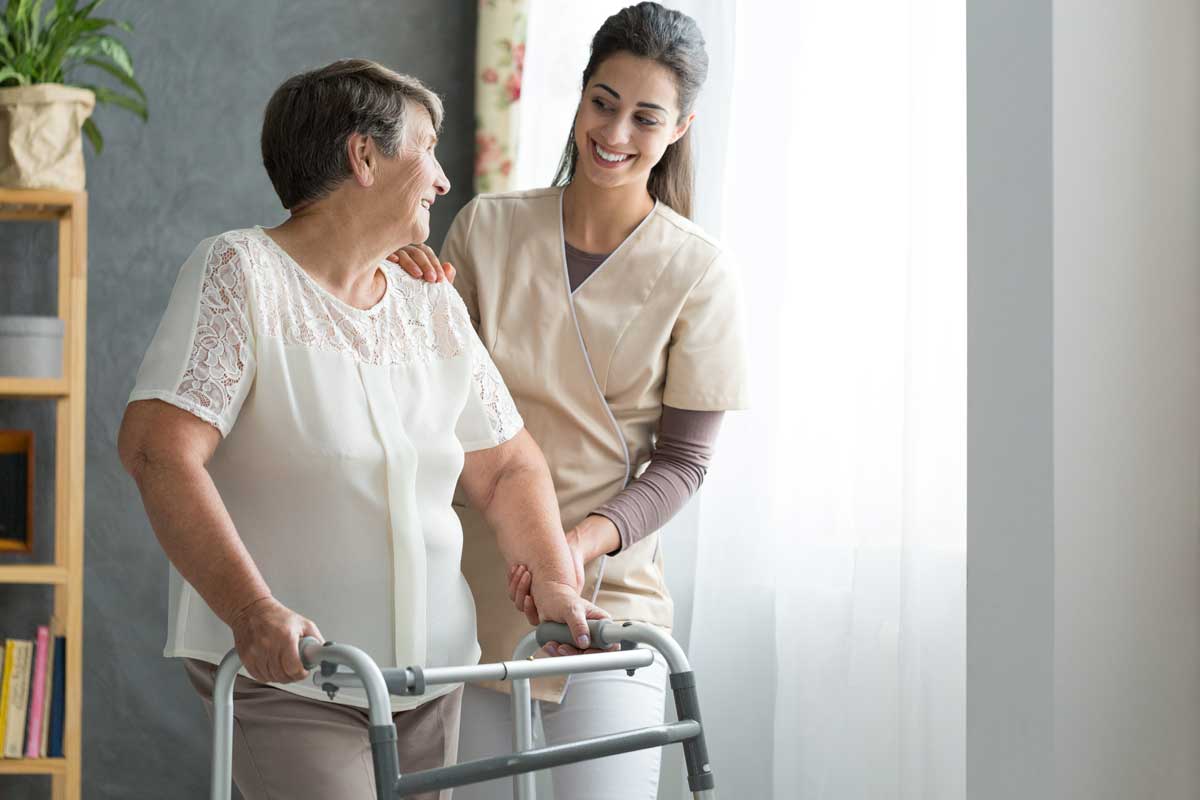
(65,575)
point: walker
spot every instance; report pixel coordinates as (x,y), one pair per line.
(327,659)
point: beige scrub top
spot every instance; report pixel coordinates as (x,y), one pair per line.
(659,322)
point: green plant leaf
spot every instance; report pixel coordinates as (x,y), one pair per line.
(105,95)
(86,11)
(15,14)
(8,73)
(127,81)
(35,21)
(93,135)
(96,23)
(5,44)
(102,44)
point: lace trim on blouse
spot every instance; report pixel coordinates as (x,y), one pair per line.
(220,348)
(414,323)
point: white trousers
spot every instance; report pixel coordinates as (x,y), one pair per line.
(595,704)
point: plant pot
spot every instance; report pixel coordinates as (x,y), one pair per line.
(40,142)
(31,347)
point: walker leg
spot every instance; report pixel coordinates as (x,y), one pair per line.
(222,756)
(524,785)
(695,751)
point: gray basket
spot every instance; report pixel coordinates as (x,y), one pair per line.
(31,347)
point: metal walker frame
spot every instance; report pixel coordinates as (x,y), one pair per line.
(329,659)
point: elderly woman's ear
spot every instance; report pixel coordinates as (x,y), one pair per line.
(360,151)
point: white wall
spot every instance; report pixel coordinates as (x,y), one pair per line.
(1127,398)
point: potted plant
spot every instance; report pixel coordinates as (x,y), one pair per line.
(43,104)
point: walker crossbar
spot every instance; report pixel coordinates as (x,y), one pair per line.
(486,769)
(409,681)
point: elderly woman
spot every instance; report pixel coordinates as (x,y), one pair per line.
(297,429)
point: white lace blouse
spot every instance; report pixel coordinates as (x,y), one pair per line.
(344,432)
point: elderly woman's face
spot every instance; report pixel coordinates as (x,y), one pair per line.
(414,178)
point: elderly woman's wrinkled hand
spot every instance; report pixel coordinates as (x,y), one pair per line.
(267,635)
(558,602)
(421,262)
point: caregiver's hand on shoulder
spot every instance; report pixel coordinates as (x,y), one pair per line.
(267,636)
(420,261)
(559,602)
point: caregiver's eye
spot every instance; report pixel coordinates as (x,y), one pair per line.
(600,104)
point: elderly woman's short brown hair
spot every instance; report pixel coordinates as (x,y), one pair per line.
(310,117)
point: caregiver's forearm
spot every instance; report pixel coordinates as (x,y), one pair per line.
(195,531)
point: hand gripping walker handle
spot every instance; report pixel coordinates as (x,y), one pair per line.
(558,632)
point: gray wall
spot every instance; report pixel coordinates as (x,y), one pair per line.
(158,189)
(1084,409)
(1010,502)
(1127,399)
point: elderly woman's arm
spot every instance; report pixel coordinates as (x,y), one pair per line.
(511,486)
(165,449)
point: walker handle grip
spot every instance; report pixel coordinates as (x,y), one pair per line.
(308,647)
(558,632)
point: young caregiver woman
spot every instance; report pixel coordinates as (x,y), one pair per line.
(615,322)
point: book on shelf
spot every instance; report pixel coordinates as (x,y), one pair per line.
(4,675)
(32,693)
(55,632)
(19,665)
(37,694)
(54,748)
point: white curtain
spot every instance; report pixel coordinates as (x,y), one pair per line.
(820,576)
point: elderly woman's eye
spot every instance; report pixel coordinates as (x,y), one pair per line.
(647,121)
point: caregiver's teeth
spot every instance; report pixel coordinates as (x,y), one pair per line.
(607,156)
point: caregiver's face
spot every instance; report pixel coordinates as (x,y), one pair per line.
(628,115)
(414,177)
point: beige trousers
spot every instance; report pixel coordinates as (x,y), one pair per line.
(287,747)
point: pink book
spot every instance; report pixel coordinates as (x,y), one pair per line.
(33,739)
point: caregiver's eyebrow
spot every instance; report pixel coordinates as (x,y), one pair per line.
(613,92)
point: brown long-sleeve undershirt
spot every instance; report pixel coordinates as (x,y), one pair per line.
(680,458)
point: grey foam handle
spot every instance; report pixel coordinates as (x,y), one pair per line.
(306,644)
(558,632)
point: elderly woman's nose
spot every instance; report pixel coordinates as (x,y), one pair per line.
(441,183)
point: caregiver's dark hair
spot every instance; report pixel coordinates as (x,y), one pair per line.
(311,115)
(672,39)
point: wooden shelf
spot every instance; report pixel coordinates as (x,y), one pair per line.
(37,204)
(33,387)
(33,573)
(68,211)
(33,766)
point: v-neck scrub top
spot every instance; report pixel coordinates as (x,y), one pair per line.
(658,323)
(344,433)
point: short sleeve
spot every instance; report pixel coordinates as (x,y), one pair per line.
(456,251)
(706,357)
(202,356)
(490,417)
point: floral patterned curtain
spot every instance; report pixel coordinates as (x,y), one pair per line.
(499,64)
